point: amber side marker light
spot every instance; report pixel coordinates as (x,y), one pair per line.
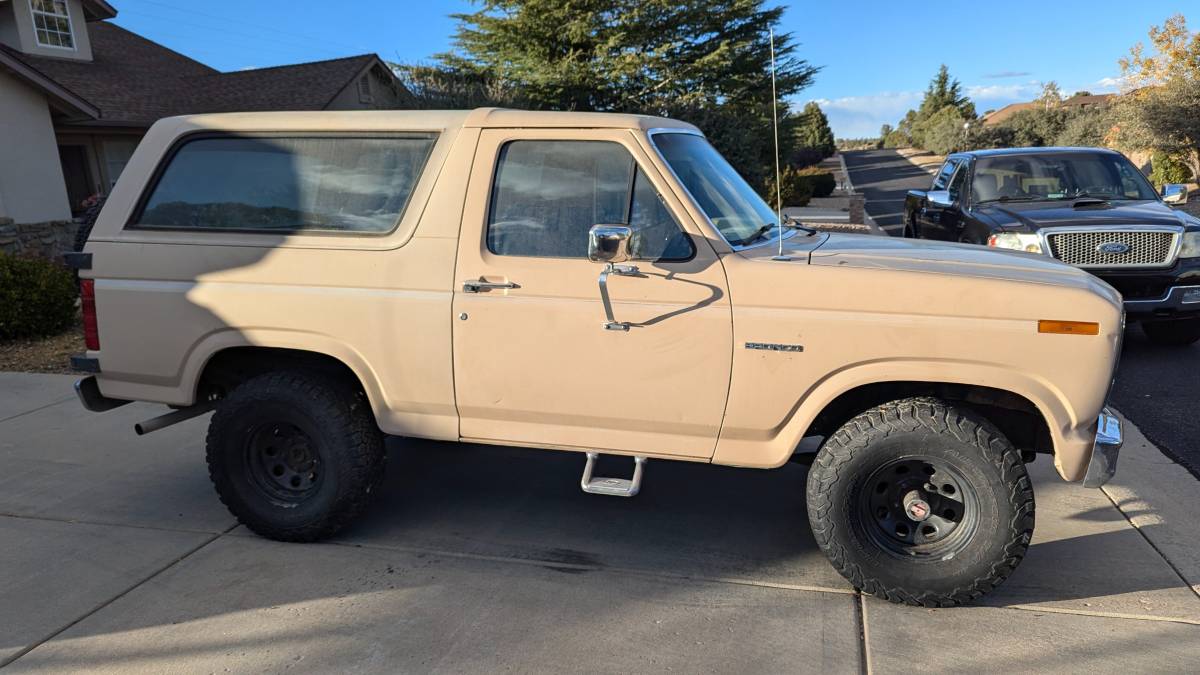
(1069,327)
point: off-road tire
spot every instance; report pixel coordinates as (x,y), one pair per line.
(344,436)
(1172,333)
(910,226)
(923,427)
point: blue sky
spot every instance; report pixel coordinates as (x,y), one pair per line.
(877,56)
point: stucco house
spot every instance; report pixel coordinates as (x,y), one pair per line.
(77,92)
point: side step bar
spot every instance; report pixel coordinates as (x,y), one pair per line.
(613,487)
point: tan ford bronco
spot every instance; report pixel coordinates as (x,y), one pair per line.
(598,283)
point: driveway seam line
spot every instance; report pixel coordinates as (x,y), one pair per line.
(37,409)
(12,659)
(101,523)
(1098,615)
(1149,541)
(860,606)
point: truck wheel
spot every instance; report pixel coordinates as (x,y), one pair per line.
(1177,333)
(295,456)
(918,502)
(910,226)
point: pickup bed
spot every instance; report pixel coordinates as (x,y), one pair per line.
(596,283)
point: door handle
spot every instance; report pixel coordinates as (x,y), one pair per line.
(480,286)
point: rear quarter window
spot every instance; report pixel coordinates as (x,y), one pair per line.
(287,184)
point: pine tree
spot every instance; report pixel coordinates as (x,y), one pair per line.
(706,61)
(945,91)
(812,130)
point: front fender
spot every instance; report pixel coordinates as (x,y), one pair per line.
(1071,430)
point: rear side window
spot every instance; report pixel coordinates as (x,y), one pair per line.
(327,184)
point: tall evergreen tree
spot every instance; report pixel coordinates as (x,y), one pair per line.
(945,91)
(707,61)
(812,130)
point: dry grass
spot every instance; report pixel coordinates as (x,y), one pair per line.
(45,355)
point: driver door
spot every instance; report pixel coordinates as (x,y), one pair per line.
(943,222)
(533,362)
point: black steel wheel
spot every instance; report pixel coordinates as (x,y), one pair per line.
(1173,332)
(919,507)
(921,502)
(283,462)
(296,455)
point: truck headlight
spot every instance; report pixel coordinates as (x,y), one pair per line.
(1191,245)
(1029,243)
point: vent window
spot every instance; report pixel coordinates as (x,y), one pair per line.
(364,89)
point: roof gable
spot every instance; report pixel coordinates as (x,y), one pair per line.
(132,81)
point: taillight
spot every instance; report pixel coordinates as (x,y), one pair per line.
(91,330)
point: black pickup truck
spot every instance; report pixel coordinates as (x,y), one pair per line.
(1087,207)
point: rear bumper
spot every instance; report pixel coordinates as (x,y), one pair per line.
(89,395)
(1109,438)
(1178,300)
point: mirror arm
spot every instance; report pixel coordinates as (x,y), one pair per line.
(611,322)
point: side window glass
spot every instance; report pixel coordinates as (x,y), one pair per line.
(656,235)
(958,181)
(352,185)
(546,195)
(943,177)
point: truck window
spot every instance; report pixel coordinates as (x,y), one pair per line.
(942,180)
(546,195)
(338,184)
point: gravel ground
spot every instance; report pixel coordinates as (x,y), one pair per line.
(47,355)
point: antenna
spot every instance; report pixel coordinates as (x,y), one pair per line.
(775,128)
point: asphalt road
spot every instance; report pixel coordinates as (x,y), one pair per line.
(1156,388)
(884,177)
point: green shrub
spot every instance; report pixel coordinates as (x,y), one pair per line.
(1167,168)
(37,298)
(823,183)
(795,189)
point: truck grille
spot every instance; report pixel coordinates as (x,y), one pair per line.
(1143,248)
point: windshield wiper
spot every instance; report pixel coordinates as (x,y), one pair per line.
(1011,198)
(762,229)
(794,224)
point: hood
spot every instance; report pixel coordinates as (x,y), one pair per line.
(1034,215)
(935,257)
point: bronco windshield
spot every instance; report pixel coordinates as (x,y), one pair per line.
(734,208)
(1058,175)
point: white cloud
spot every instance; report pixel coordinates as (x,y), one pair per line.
(1110,83)
(861,116)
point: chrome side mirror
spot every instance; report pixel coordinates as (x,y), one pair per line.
(610,243)
(1175,193)
(940,199)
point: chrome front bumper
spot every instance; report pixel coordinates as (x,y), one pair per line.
(1109,439)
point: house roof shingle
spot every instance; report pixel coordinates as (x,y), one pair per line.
(134,81)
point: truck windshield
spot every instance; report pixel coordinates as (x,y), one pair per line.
(1058,175)
(734,208)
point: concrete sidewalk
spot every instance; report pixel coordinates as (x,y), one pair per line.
(116,556)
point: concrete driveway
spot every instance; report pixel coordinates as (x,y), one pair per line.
(115,555)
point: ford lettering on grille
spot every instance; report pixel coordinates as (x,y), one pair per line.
(1113,247)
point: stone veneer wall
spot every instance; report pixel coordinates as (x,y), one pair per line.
(47,240)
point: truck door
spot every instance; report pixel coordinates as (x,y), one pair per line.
(937,220)
(533,361)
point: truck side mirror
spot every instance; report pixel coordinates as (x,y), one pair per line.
(940,199)
(1175,193)
(610,244)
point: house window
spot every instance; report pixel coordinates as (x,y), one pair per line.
(116,156)
(52,23)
